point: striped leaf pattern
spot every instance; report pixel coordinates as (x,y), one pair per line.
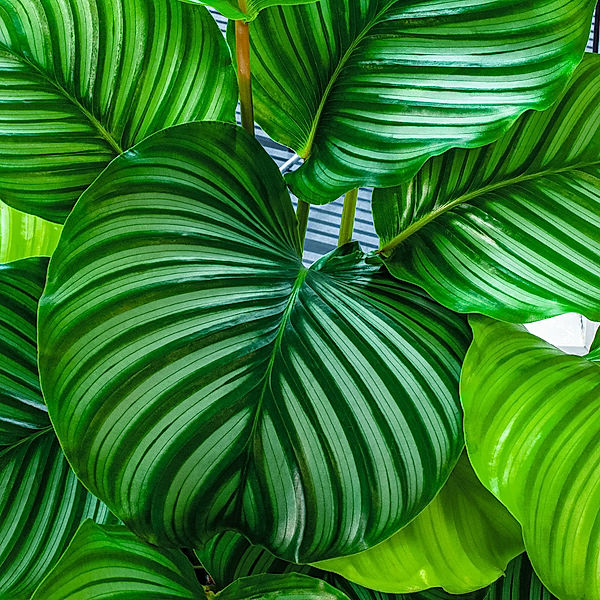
(41,506)
(108,561)
(519,583)
(229,556)
(201,378)
(41,501)
(461,542)
(368,90)
(23,235)
(532,433)
(22,409)
(511,230)
(232,10)
(82,80)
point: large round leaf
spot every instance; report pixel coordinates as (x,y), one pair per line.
(23,235)
(82,80)
(519,583)
(510,230)
(368,90)
(41,501)
(533,436)
(109,562)
(229,556)
(201,378)
(461,542)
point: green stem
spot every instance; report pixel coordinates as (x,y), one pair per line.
(242,49)
(302,216)
(348,213)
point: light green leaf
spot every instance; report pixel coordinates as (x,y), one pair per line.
(510,230)
(369,90)
(595,348)
(229,556)
(461,542)
(519,583)
(532,432)
(82,80)
(109,562)
(291,586)
(23,235)
(231,8)
(41,501)
(201,378)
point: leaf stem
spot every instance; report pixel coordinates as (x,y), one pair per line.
(302,216)
(348,214)
(242,49)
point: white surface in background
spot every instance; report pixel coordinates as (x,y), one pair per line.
(571,332)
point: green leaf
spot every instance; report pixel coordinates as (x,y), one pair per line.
(231,8)
(532,431)
(519,583)
(509,230)
(22,408)
(461,542)
(201,378)
(41,501)
(367,91)
(110,562)
(291,586)
(595,348)
(23,235)
(82,81)
(229,556)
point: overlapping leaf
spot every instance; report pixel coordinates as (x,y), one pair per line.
(532,432)
(519,583)
(368,90)
(82,80)
(41,501)
(23,235)
(510,230)
(110,562)
(232,10)
(461,542)
(201,378)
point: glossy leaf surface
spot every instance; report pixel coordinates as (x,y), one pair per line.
(201,378)
(519,583)
(82,80)
(461,542)
(229,556)
(231,8)
(109,562)
(532,434)
(41,501)
(291,586)
(23,235)
(368,90)
(509,230)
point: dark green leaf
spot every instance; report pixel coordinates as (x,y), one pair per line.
(368,90)
(41,501)
(461,542)
(109,562)
(23,235)
(201,378)
(519,583)
(509,230)
(81,80)
(532,432)
(291,586)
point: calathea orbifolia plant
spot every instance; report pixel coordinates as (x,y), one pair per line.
(212,392)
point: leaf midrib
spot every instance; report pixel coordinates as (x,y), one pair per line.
(387,249)
(305,151)
(285,319)
(104,133)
